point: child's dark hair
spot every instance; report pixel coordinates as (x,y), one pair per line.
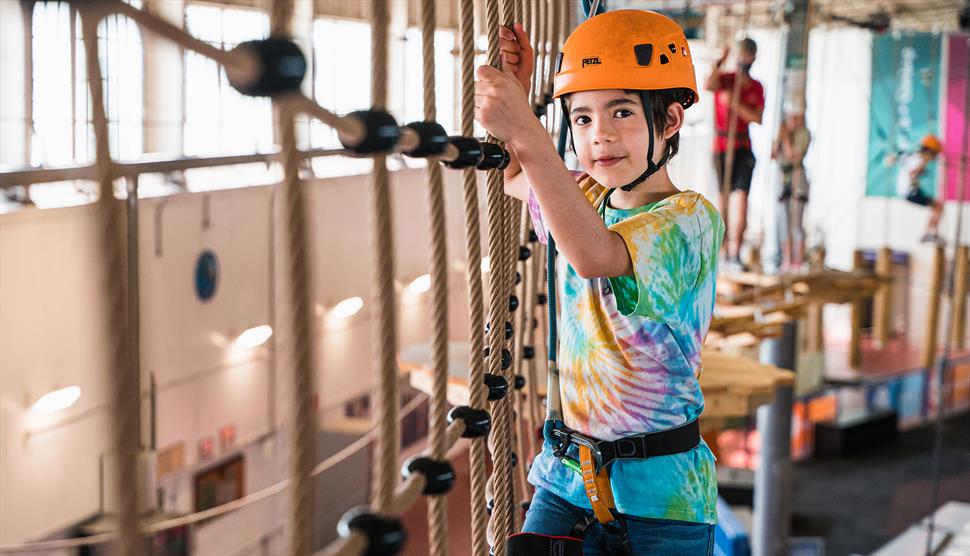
(659,102)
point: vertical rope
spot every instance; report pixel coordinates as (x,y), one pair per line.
(303,435)
(383,265)
(541,30)
(125,407)
(500,523)
(555,36)
(476,310)
(437,509)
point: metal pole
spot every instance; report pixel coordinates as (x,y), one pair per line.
(772,479)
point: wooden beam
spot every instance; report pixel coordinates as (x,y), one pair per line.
(960,282)
(855,338)
(931,330)
(882,301)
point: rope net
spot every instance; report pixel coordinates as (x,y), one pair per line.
(508,231)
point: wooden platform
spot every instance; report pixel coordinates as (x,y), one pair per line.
(732,386)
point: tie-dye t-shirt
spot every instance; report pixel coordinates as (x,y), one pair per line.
(630,354)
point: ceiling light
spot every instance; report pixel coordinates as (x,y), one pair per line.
(347,308)
(420,284)
(255,336)
(57,400)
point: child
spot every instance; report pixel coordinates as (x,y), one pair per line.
(911,169)
(636,289)
(789,150)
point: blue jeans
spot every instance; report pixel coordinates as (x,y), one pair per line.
(549,514)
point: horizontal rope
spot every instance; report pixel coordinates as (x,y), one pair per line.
(404,495)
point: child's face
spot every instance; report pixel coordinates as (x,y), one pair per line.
(611,135)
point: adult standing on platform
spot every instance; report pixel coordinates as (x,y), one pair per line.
(736,93)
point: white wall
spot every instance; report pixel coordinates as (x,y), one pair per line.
(50,322)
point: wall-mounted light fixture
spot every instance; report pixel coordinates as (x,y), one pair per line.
(347,308)
(255,336)
(420,284)
(55,401)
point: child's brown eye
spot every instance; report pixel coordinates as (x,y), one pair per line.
(582,120)
(623,113)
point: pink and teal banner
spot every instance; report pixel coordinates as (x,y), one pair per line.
(904,107)
(955,116)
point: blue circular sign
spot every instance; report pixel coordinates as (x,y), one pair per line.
(206,275)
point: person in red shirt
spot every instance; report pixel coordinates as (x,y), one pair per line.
(747,108)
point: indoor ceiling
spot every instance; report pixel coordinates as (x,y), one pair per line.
(925,15)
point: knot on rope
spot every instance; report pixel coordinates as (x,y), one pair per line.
(381,133)
(385,535)
(439,476)
(494,157)
(497,386)
(478,422)
(469,152)
(432,139)
(271,67)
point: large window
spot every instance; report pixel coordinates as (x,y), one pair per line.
(219,120)
(62,130)
(445,77)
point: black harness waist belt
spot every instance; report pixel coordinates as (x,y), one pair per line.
(664,443)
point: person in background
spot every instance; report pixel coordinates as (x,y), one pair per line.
(788,151)
(747,108)
(911,169)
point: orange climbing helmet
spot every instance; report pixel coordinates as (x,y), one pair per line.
(931,142)
(626,49)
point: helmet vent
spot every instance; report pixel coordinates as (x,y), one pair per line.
(664,59)
(683,51)
(673,48)
(643,53)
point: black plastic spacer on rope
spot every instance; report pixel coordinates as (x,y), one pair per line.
(539,110)
(524,253)
(497,386)
(385,536)
(433,139)
(494,157)
(509,331)
(533,237)
(279,67)
(469,152)
(513,303)
(515,459)
(528,352)
(381,132)
(535,323)
(489,506)
(506,359)
(478,422)
(519,382)
(439,476)
(518,278)
(541,299)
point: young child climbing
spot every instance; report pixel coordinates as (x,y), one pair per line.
(911,170)
(624,468)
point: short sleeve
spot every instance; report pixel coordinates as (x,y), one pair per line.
(590,189)
(672,248)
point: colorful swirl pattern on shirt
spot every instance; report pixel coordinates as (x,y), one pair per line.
(630,353)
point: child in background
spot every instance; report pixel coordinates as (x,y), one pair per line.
(636,286)
(789,150)
(911,169)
